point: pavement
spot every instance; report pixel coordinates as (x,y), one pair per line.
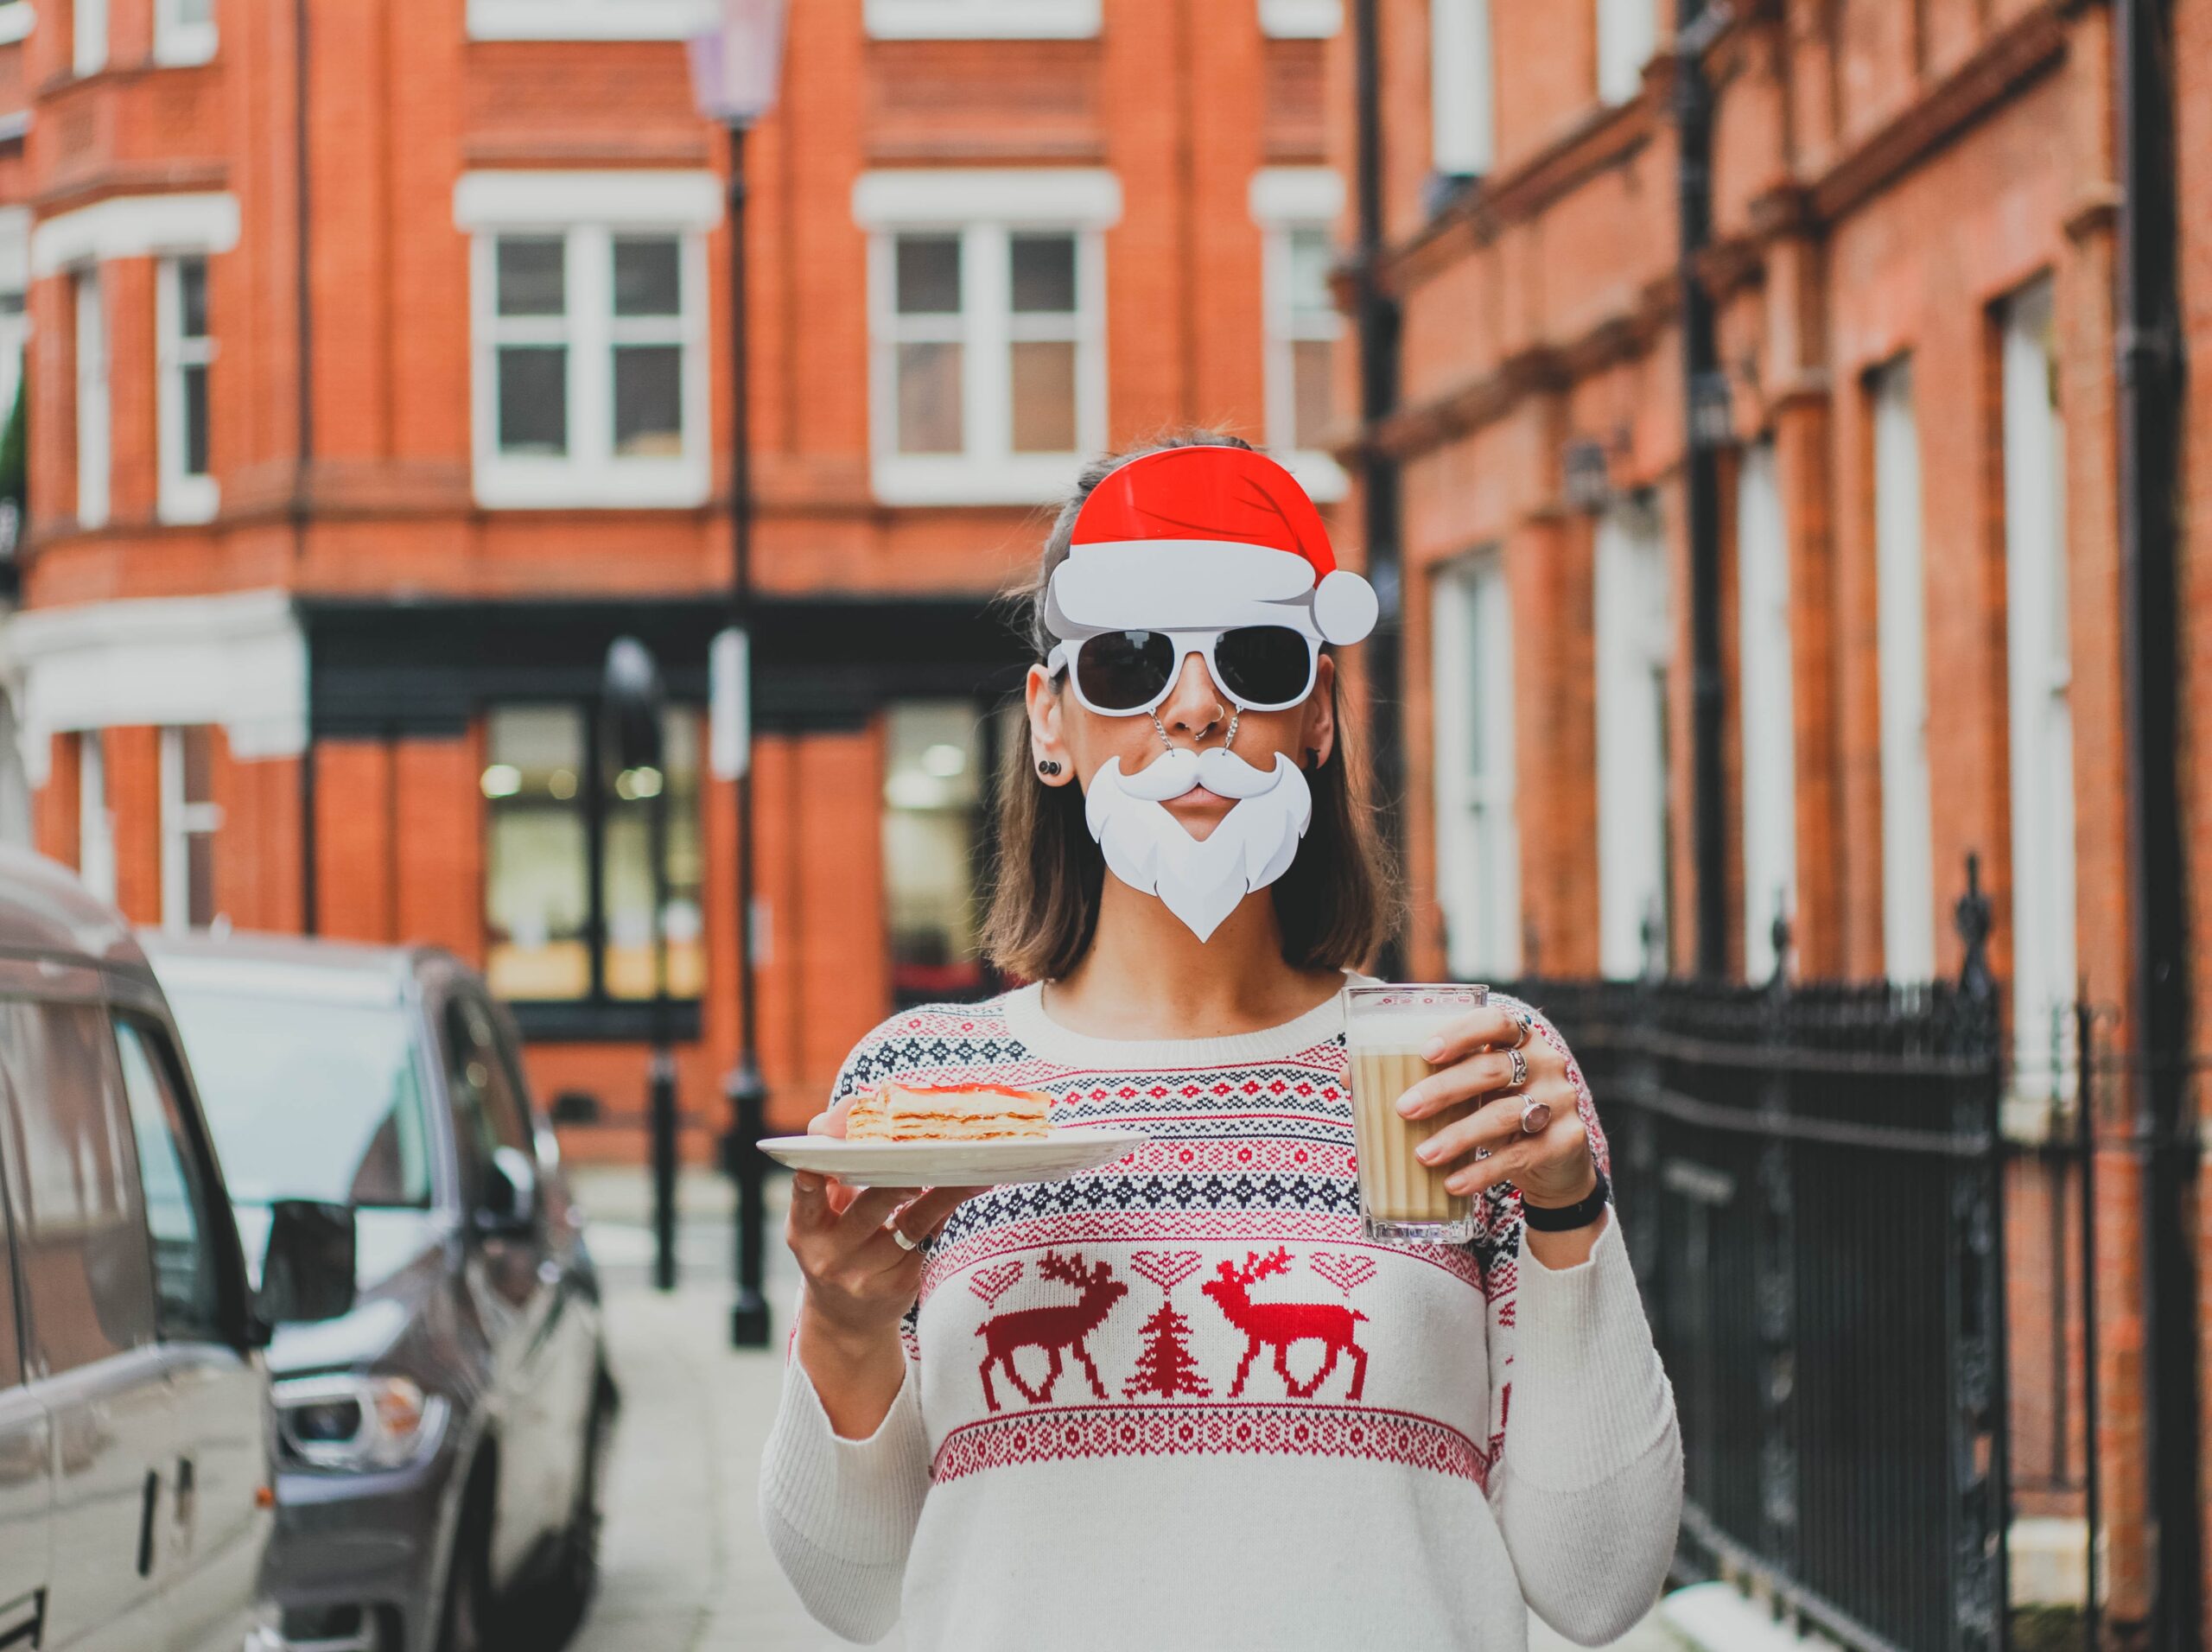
(685,1568)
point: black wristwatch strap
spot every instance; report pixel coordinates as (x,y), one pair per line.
(1565,1218)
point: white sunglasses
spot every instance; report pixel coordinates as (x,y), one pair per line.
(1131,673)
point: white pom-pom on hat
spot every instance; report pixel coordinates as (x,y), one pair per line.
(1344,607)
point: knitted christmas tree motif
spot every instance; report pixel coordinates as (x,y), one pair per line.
(1165,1367)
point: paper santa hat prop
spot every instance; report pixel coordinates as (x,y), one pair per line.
(1195,539)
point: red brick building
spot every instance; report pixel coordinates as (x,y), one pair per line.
(378,383)
(1915,213)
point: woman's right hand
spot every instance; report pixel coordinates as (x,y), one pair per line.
(860,1282)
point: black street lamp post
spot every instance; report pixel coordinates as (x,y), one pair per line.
(735,71)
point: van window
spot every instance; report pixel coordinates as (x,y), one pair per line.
(80,1225)
(187,1298)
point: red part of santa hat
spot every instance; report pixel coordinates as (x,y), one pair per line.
(1231,496)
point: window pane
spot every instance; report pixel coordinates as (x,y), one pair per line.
(1310,260)
(257,1048)
(81,1225)
(929,275)
(648,276)
(1310,374)
(186,1293)
(1044,274)
(487,1115)
(195,421)
(533,276)
(626,870)
(929,399)
(649,402)
(12,1360)
(1044,398)
(192,297)
(931,795)
(534,400)
(537,875)
(194,11)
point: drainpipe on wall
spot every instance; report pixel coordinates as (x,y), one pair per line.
(1704,421)
(2150,370)
(302,201)
(1376,318)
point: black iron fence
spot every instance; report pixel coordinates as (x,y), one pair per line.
(1812,1182)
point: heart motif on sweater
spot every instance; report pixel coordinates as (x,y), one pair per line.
(1347,1274)
(1166,1268)
(992,1283)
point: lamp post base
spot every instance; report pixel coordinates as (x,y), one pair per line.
(748,1320)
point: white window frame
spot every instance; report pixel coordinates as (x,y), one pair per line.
(1285,200)
(1628,36)
(1901,643)
(664,20)
(982,19)
(179,42)
(1301,19)
(1632,613)
(181,821)
(1766,707)
(588,211)
(95,434)
(183,498)
(88,36)
(2038,669)
(17,19)
(985,208)
(1462,89)
(1478,835)
(95,821)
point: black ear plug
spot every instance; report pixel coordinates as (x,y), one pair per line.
(1048,768)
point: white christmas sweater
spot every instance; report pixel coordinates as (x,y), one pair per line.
(1179,1402)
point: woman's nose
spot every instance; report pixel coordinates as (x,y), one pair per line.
(1194,707)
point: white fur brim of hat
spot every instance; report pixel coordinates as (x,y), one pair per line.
(1200,584)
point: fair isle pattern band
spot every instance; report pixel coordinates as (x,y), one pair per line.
(1067,1432)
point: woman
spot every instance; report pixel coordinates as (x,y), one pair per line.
(1243,1425)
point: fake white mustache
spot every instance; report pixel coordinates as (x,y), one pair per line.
(1219,770)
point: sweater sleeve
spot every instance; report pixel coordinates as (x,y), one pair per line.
(1587,1483)
(840,1513)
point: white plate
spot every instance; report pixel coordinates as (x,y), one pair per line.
(953,1164)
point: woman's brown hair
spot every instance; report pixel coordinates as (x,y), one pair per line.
(1335,905)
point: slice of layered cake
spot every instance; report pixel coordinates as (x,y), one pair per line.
(951,1113)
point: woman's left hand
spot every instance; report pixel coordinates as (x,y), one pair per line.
(1476,1058)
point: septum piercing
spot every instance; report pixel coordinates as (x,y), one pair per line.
(1227,740)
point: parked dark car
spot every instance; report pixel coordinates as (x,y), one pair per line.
(441,1445)
(136,1445)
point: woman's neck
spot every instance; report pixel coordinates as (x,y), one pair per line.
(1148,976)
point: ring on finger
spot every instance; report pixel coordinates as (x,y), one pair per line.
(1520,1079)
(1527,1025)
(1534,1116)
(902,1240)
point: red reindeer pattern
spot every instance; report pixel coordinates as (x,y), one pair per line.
(1060,1329)
(1281,1324)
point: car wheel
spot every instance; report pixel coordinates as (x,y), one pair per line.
(552,1613)
(466,1614)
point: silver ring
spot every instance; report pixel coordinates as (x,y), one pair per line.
(903,1241)
(1520,1079)
(1527,1023)
(1535,1116)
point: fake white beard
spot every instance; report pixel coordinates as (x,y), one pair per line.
(1202,881)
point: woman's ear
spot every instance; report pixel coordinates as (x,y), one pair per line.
(1319,737)
(1048,753)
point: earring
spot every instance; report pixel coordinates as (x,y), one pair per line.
(1312,757)
(1048,768)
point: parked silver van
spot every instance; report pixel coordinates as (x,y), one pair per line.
(136,1465)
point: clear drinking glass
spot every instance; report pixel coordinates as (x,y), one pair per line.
(1402,1201)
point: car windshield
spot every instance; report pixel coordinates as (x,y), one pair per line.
(308,1098)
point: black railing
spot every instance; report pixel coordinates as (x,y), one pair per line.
(1811,1184)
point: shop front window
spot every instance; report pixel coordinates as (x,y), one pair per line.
(933,797)
(571,878)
